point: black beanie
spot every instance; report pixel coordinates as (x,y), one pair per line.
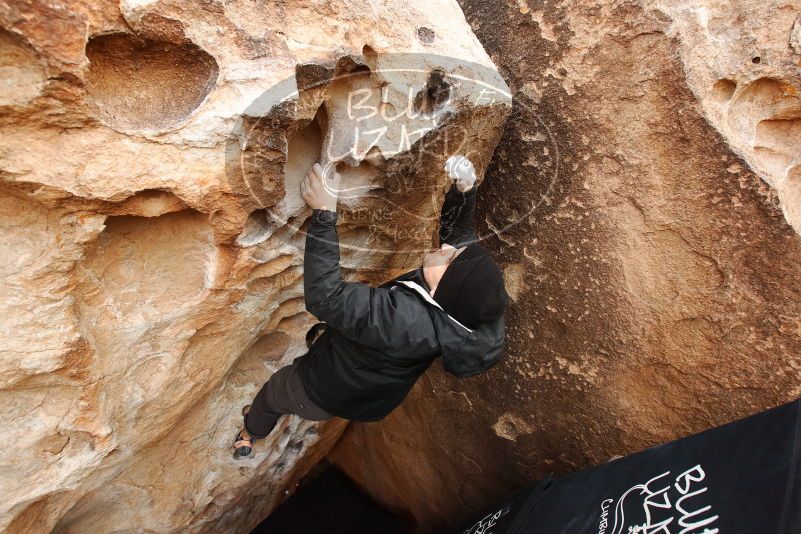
(471,290)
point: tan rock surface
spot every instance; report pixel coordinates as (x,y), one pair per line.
(654,275)
(152,234)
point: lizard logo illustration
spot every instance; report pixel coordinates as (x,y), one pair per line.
(662,506)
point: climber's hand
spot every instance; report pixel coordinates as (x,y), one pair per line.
(461,169)
(318,191)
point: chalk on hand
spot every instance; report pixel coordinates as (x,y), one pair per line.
(461,169)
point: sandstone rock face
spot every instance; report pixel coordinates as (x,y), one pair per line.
(747,81)
(152,233)
(651,156)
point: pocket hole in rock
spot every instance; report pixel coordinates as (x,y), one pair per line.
(258,227)
(723,90)
(426,35)
(369,55)
(304,149)
(357,180)
(135,83)
(151,203)
(434,95)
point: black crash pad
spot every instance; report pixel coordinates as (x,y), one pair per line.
(740,478)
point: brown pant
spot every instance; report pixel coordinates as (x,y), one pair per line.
(282,394)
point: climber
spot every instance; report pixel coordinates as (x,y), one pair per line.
(376,342)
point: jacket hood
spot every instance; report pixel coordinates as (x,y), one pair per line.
(465,352)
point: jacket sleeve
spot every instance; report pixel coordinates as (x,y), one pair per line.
(457,222)
(360,312)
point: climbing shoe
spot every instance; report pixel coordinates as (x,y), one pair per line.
(243,447)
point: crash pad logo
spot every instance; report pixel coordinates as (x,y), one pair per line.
(485,524)
(387,123)
(662,505)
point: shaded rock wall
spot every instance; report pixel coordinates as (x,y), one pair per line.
(654,274)
(152,234)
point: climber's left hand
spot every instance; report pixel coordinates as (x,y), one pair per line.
(461,170)
(320,191)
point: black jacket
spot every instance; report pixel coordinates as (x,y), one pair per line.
(378,341)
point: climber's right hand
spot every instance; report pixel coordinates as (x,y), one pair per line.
(318,191)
